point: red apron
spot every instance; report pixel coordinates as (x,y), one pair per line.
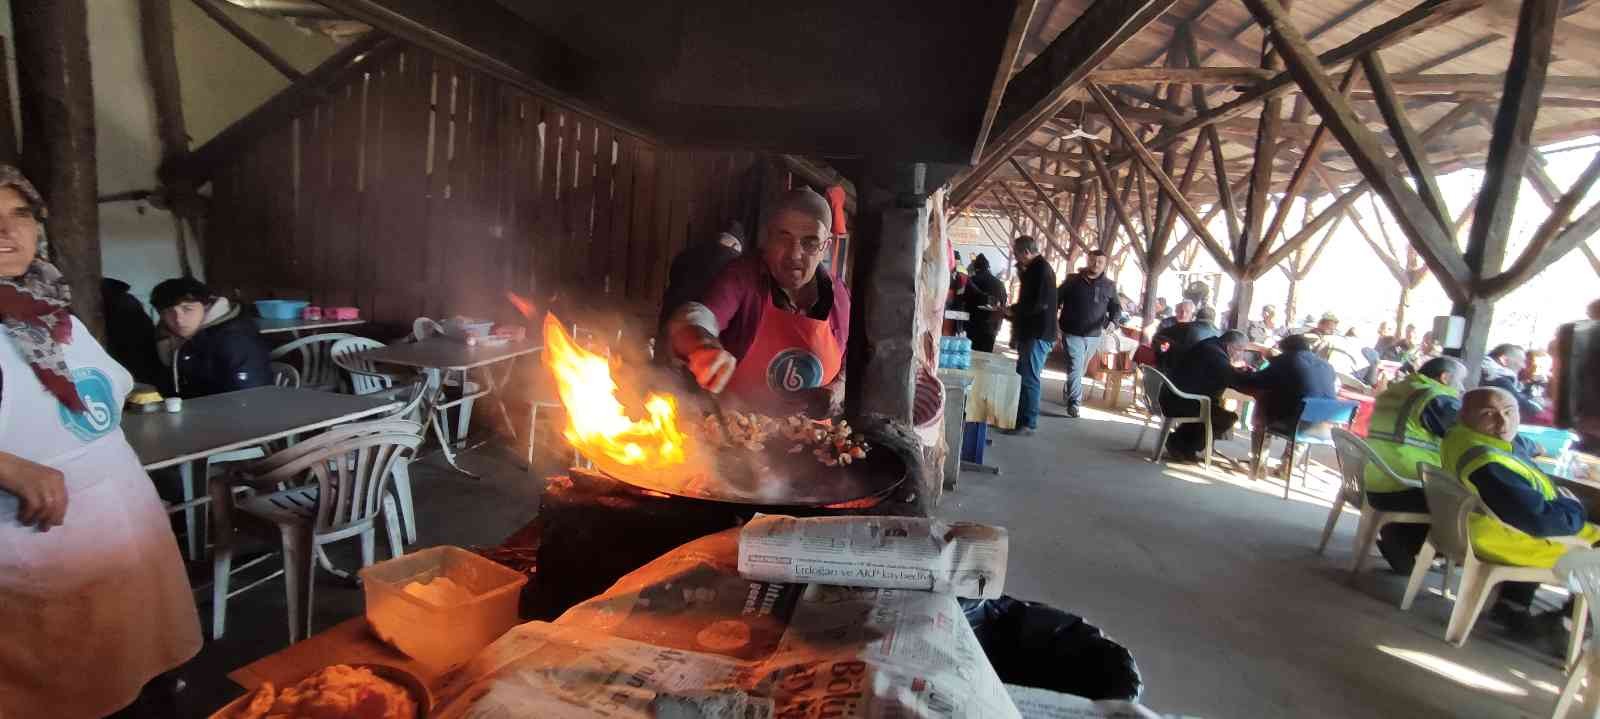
(790,353)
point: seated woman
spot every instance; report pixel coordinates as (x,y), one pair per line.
(208,345)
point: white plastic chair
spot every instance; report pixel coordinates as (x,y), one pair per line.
(317,370)
(1451,504)
(1581,567)
(1354,456)
(285,375)
(363,374)
(1153,381)
(344,491)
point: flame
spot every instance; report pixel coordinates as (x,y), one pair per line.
(597,423)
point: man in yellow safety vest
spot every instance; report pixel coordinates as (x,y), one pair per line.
(1408,421)
(1485,454)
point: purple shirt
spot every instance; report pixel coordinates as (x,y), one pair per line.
(744,291)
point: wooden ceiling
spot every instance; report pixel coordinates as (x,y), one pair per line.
(1451,73)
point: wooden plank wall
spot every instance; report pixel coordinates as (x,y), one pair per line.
(424,188)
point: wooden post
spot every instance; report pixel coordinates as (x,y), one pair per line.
(58,152)
(1509,150)
(883,355)
(155,26)
(9,152)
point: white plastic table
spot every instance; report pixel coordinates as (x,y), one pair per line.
(444,355)
(209,426)
(295,326)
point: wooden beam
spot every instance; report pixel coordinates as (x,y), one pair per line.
(1594,260)
(1551,241)
(1038,91)
(1106,183)
(261,49)
(1174,195)
(1389,262)
(1412,151)
(1430,236)
(1190,172)
(1183,75)
(1510,146)
(1010,50)
(1056,211)
(1421,18)
(1308,163)
(199,165)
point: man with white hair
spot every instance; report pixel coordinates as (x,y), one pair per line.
(772,327)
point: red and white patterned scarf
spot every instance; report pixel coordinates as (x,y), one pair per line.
(35,309)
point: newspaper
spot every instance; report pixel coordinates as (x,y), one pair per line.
(960,558)
(688,622)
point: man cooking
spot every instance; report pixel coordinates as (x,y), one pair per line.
(771,328)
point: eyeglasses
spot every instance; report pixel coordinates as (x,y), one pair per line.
(811,245)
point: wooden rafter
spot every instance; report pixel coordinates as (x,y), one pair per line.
(1044,199)
(1412,151)
(1106,183)
(1038,91)
(1553,238)
(1302,172)
(1174,195)
(265,51)
(1424,16)
(1426,232)
(1410,83)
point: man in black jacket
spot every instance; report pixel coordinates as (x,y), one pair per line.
(207,343)
(1088,301)
(1172,342)
(1205,369)
(983,299)
(1033,325)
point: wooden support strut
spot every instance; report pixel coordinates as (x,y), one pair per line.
(1190,217)
(1430,236)
(1405,137)
(265,51)
(1056,211)
(1297,180)
(1038,91)
(1424,16)
(1553,240)
(1107,184)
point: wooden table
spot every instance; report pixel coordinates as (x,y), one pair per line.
(295,326)
(209,426)
(443,354)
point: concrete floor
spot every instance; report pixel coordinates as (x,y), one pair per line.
(1210,580)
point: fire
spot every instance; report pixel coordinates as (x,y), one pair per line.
(597,423)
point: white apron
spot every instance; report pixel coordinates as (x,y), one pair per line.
(93,609)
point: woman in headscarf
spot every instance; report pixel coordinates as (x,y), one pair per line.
(94,601)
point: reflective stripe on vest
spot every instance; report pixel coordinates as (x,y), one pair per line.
(1469,463)
(1397,435)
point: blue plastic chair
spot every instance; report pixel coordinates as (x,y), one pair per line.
(1317,416)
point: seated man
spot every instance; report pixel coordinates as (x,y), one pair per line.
(207,345)
(1483,451)
(1173,341)
(1295,374)
(1500,369)
(1408,422)
(1205,369)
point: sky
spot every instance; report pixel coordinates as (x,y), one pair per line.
(1352,282)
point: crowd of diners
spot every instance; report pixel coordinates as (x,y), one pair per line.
(1421,414)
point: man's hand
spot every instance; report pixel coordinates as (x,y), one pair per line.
(712,366)
(41,491)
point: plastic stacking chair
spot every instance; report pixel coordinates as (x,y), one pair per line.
(338,490)
(1354,456)
(1451,504)
(1581,567)
(364,375)
(1315,413)
(1153,381)
(285,375)
(317,370)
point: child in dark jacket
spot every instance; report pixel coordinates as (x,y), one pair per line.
(208,345)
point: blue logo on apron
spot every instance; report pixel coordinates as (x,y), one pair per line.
(793,370)
(101,411)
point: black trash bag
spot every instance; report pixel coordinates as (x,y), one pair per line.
(1036,645)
